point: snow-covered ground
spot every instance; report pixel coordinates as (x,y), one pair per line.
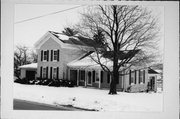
(90,98)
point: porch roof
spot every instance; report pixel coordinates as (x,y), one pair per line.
(89,62)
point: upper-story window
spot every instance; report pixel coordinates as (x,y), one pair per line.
(45,56)
(55,55)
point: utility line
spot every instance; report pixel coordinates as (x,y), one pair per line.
(46,15)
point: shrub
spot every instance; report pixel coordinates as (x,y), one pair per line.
(22,81)
(55,83)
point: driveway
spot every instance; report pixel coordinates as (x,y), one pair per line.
(28,105)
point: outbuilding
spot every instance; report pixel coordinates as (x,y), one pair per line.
(28,71)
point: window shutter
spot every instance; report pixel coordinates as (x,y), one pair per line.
(41,55)
(93,76)
(57,55)
(51,73)
(101,76)
(135,77)
(41,72)
(130,77)
(47,55)
(51,55)
(47,72)
(144,76)
(57,73)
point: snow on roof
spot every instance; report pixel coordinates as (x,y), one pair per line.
(30,66)
(75,40)
(88,62)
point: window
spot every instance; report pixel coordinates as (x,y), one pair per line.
(82,75)
(132,77)
(54,73)
(140,76)
(108,77)
(45,56)
(120,77)
(94,73)
(97,76)
(44,73)
(101,76)
(55,55)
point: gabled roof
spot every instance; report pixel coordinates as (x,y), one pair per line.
(75,40)
(87,61)
(65,40)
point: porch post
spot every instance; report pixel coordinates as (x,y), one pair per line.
(155,83)
(78,77)
(99,78)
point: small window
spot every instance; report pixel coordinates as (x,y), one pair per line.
(140,76)
(108,77)
(45,55)
(97,76)
(44,72)
(94,75)
(55,55)
(82,75)
(54,73)
(133,77)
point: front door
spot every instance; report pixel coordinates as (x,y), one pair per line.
(152,83)
(89,78)
(73,76)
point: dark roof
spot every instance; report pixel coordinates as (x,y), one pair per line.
(125,54)
(151,71)
(76,40)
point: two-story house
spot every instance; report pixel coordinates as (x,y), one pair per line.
(64,57)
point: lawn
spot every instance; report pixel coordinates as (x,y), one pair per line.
(89,98)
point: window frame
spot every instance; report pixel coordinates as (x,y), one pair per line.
(80,72)
(54,72)
(141,76)
(44,72)
(132,77)
(55,50)
(97,76)
(45,51)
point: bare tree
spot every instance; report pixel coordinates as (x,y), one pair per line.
(21,57)
(33,57)
(69,31)
(128,30)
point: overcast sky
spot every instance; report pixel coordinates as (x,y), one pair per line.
(27,33)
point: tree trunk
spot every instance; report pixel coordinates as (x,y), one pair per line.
(113,86)
(114,78)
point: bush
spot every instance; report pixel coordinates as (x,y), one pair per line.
(22,81)
(48,82)
(55,83)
